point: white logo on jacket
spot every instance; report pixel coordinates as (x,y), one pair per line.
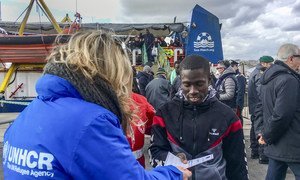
(214,132)
(27,162)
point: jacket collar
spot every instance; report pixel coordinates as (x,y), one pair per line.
(53,87)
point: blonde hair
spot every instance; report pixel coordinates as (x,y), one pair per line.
(100,54)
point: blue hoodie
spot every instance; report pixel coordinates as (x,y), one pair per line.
(61,136)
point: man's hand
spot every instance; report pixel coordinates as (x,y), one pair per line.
(261,140)
(182,157)
(185,173)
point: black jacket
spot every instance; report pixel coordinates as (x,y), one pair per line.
(241,88)
(254,88)
(158,92)
(280,110)
(143,80)
(210,127)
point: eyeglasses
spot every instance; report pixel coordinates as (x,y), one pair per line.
(296,55)
(219,68)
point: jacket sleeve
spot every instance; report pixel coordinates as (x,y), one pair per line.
(252,95)
(142,84)
(150,113)
(229,90)
(241,86)
(258,118)
(104,153)
(283,111)
(234,152)
(160,145)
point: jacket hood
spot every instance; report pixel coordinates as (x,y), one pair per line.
(277,68)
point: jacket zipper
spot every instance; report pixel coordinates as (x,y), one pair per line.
(194,139)
(194,130)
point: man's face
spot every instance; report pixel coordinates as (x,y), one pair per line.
(295,62)
(220,69)
(194,84)
(266,65)
(235,67)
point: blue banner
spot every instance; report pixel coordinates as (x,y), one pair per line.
(204,36)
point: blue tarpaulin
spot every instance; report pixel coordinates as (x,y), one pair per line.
(204,37)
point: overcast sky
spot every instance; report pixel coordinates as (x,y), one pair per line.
(250,28)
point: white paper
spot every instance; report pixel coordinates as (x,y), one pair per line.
(175,161)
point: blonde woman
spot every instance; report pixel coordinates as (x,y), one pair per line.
(73,129)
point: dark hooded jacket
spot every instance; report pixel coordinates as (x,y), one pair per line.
(143,80)
(199,130)
(280,112)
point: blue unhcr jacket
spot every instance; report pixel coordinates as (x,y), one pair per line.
(61,136)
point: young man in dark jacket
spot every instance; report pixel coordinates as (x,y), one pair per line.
(280,113)
(197,124)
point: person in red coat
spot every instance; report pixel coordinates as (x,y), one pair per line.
(141,126)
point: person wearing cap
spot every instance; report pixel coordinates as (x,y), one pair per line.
(280,113)
(226,85)
(241,88)
(144,77)
(158,91)
(253,99)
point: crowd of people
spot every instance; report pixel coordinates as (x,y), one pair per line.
(151,44)
(97,109)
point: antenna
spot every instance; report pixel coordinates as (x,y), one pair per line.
(0,12)
(76,7)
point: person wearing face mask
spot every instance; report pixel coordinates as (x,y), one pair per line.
(195,124)
(253,99)
(279,113)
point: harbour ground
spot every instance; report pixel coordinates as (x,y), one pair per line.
(256,171)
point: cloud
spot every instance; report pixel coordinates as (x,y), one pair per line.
(250,28)
(296,9)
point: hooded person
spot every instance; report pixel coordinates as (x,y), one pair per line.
(279,113)
(73,129)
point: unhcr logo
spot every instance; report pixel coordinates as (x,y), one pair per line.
(204,42)
(27,162)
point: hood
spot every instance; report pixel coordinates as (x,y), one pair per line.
(228,71)
(277,68)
